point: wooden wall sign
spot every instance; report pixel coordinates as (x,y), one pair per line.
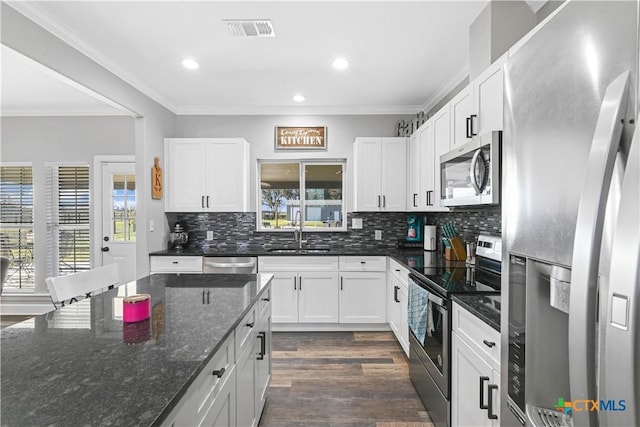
(301,138)
(156,179)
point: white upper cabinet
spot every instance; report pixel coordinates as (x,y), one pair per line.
(461,111)
(478,108)
(380,172)
(206,175)
(488,98)
(432,139)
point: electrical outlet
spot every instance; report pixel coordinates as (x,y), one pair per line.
(378,234)
(152,225)
(209,235)
(356,223)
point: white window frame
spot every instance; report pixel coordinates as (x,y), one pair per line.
(301,178)
(31,289)
(53,215)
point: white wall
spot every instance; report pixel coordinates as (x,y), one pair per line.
(152,125)
(259,132)
(60,139)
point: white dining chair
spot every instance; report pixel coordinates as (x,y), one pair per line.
(70,288)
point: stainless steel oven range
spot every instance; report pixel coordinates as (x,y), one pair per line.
(430,290)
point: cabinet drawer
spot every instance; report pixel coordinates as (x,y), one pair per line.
(398,271)
(482,337)
(363,263)
(297,263)
(175,264)
(212,378)
(245,331)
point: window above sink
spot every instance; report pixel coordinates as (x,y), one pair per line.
(301,194)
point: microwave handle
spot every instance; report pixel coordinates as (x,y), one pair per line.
(472,175)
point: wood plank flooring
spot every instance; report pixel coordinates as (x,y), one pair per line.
(341,379)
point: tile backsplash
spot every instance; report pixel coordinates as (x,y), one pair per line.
(238,229)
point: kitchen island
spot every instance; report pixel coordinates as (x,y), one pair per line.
(81,365)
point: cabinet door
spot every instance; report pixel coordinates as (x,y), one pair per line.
(367,193)
(284,291)
(487,98)
(461,111)
(318,297)
(226,182)
(467,370)
(394,174)
(222,412)
(415,168)
(427,184)
(393,296)
(403,328)
(362,297)
(442,140)
(263,371)
(246,386)
(185,173)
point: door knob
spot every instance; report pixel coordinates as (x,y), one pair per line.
(105,249)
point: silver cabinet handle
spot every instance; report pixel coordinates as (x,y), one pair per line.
(379,201)
(202,202)
(384,201)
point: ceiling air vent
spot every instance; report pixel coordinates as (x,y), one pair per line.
(250,27)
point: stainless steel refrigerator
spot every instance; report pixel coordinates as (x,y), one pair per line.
(571,221)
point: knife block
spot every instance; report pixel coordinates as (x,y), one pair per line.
(456,252)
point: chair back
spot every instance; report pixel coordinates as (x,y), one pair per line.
(80,285)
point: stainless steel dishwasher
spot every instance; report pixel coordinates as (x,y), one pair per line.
(230,265)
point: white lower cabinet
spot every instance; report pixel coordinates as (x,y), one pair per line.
(304,289)
(475,373)
(363,296)
(231,389)
(397,297)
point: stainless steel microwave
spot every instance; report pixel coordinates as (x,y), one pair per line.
(470,174)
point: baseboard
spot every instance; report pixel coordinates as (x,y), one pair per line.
(330,327)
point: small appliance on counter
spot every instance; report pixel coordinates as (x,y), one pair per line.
(179,236)
(414,228)
(136,308)
(430,232)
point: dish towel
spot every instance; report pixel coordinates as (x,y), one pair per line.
(418,311)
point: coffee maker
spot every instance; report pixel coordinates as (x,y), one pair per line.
(415,223)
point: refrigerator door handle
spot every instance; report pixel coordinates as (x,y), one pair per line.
(587,243)
(622,319)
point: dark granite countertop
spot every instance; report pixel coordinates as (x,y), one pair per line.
(408,256)
(81,365)
(485,307)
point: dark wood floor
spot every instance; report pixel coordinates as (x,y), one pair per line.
(341,379)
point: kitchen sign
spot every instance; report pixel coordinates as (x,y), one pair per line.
(301,138)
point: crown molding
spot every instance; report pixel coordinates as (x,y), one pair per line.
(298,110)
(446,88)
(33,12)
(61,112)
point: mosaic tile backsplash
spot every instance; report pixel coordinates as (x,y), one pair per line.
(238,229)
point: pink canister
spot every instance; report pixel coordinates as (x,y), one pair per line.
(136,308)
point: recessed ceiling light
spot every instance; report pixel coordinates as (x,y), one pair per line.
(340,63)
(190,64)
(298,98)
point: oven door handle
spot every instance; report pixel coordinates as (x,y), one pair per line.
(436,299)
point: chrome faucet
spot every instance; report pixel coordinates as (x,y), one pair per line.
(297,231)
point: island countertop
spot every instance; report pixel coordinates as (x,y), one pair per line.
(81,365)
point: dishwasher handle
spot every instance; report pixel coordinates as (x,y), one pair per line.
(229,264)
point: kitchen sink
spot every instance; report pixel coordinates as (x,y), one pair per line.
(299,251)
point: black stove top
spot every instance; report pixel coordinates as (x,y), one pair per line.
(458,278)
